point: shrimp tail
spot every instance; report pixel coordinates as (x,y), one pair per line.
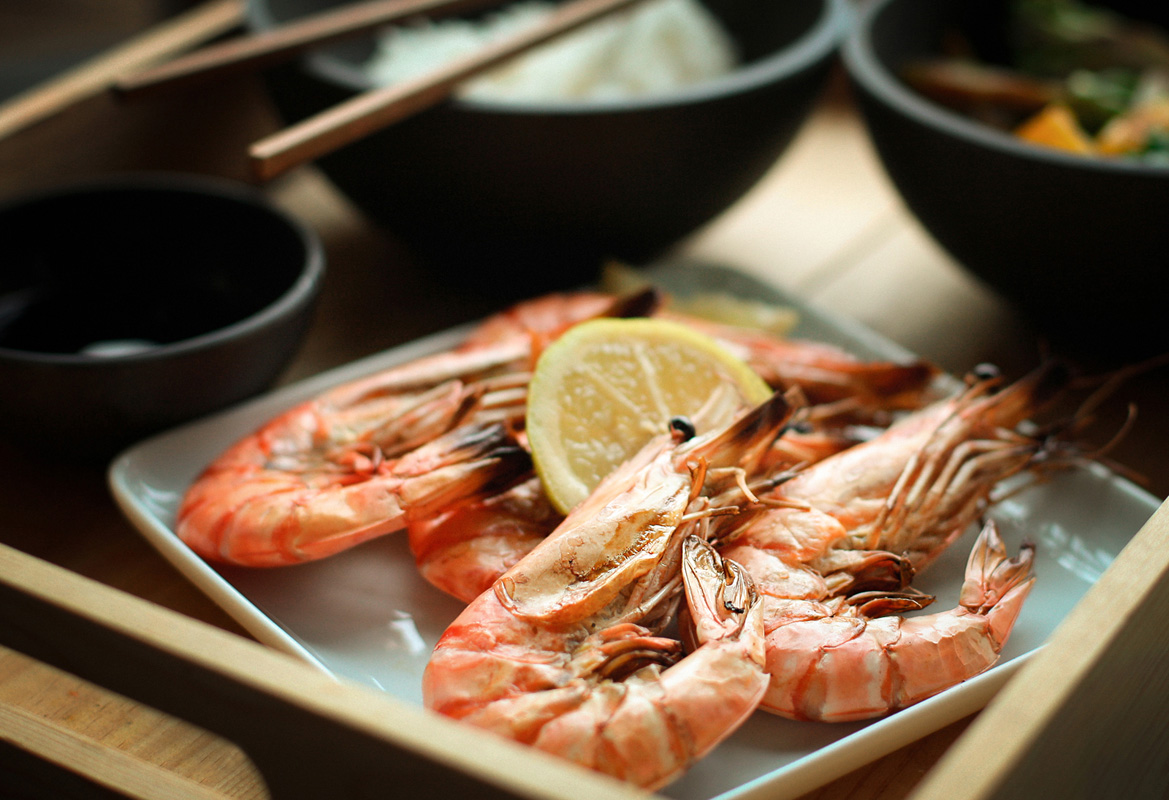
(996,585)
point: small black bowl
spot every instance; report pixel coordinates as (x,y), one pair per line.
(518,198)
(1076,243)
(134,303)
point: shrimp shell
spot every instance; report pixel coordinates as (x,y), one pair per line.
(346,466)
(831,664)
(834,550)
(566,651)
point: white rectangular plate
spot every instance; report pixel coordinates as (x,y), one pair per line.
(365,615)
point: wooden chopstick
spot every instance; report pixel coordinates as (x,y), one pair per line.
(378,108)
(93,77)
(284,43)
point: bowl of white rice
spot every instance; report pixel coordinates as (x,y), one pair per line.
(610,143)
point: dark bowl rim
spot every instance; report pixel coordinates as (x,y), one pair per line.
(301,292)
(817,43)
(865,69)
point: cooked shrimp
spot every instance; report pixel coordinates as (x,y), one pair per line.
(464,548)
(338,469)
(255,509)
(324,476)
(825,373)
(915,487)
(566,651)
(853,528)
(831,662)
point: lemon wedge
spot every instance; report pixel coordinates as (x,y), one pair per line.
(601,391)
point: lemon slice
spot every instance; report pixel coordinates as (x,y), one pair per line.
(606,387)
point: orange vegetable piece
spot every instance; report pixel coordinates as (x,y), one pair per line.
(1056,126)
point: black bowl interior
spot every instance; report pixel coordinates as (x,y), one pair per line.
(138,263)
(133,304)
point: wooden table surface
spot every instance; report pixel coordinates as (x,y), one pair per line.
(824,224)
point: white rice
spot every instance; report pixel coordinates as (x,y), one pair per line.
(653,49)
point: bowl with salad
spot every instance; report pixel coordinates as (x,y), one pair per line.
(1031,140)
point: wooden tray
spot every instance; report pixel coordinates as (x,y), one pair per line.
(1086,718)
(309,735)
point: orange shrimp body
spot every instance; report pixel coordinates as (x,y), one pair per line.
(825,373)
(918,485)
(348,465)
(841,541)
(464,549)
(832,663)
(249,508)
(566,651)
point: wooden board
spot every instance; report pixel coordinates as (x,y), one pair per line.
(310,736)
(1087,717)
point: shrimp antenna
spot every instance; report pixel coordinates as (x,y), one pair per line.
(1110,382)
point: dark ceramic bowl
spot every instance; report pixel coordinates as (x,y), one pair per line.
(526,197)
(135,303)
(1078,244)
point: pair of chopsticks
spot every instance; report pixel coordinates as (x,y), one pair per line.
(370,111)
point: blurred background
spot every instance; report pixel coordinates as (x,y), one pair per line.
(32,49)
(40,40)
